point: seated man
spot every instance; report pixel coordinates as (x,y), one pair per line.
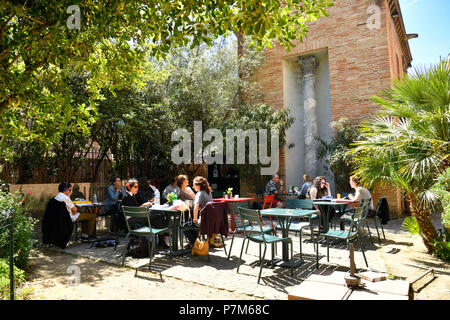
(114,192)
(274,187)
(88,228)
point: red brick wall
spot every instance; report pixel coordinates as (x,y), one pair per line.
(361,62)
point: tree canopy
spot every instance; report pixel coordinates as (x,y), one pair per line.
(114,35)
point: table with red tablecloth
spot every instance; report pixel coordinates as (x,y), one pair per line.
(232,213)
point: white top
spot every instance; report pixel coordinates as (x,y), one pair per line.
(61,197)
(365,194)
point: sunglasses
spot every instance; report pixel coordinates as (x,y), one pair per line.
(135,186)
(323,183)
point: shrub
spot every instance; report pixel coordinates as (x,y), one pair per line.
(19,277)
(442,189)
(23,229)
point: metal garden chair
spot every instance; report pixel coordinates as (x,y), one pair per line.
(259,236)
(377,217)
(148,232)
(299,225)
(242,225)
(351,234)
(347,217)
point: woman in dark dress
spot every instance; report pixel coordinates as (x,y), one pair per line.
(145,192)
(132,200)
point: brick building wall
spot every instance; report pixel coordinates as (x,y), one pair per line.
(367,49)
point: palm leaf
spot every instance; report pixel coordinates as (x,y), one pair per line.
(410,225)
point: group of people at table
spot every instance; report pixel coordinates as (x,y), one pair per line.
(141,193)
(316,189)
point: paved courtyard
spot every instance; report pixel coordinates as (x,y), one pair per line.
(220,272)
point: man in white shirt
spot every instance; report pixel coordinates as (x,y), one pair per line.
(65,189)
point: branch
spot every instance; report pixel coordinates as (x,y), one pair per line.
(5,24)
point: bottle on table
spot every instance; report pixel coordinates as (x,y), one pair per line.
(157,198)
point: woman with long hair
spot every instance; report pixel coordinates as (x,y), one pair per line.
(320,188)
(203,196)
(186,192)
(360,192)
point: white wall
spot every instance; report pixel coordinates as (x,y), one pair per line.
(293,100)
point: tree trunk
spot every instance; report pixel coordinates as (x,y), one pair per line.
(423,217)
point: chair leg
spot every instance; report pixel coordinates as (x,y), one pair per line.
(246,249)
(273,252)
(240,256)
(362,249)
(231,245)
(292,257)
(223,242)
(368,229)
(260,252)
(262,262)
(376,227)
(150,251)
(382,229)
(125,249)
(328,250)
(300,236)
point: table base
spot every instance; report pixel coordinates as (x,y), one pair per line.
(285,264)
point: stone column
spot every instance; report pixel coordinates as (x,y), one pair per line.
(308,66)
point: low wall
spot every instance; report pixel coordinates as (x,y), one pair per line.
(45,189)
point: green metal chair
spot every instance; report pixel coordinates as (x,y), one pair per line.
(353,232)
(377,217)
(242,225)
(148,232)
(347,217)
(299,225)
(254,218)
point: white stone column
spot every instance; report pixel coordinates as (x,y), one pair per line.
(308,66)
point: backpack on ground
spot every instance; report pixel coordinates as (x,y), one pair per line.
(138,247)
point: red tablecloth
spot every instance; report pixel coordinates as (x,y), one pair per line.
(232,225)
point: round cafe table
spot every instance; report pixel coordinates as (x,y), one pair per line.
(232,214)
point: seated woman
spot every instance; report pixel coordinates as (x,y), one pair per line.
(186,192)
(203,196)
(307,182)
(145,192)
(132,200)
(360,193)
(320,188)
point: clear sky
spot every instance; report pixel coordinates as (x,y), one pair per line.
(431,20)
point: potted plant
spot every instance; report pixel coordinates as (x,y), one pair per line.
(229,193)
(170,197)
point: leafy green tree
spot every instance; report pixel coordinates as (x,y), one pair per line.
(407,145)
(113,36)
